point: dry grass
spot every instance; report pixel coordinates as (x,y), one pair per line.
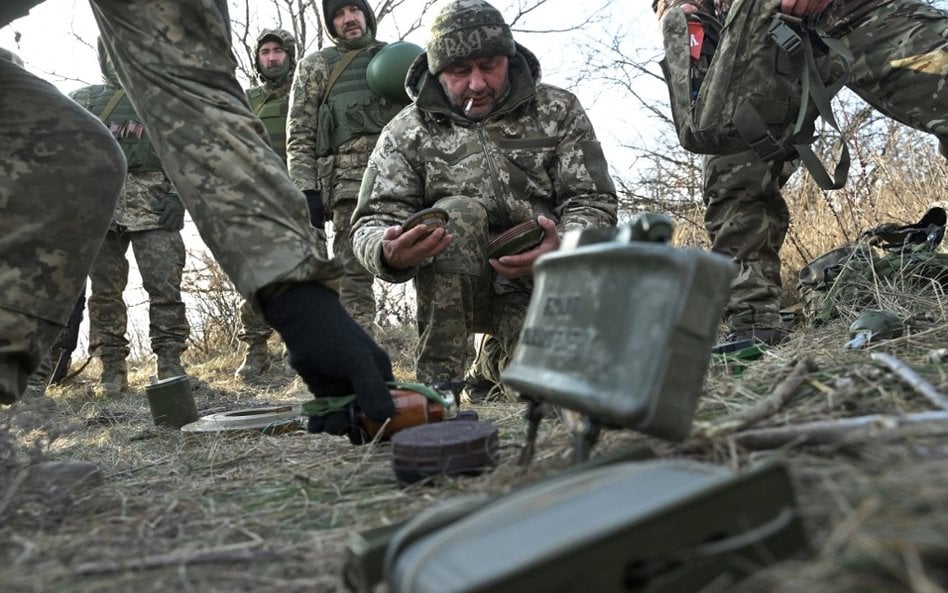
(251,512)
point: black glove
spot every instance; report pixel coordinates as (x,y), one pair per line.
(332,354)
(172,213)
(314,200)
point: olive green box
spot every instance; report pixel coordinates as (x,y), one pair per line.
(646,527)
(621,330)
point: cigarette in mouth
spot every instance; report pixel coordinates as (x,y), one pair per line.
(468,105)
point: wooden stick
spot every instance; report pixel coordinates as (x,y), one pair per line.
(876,427)
(765,407)
(914,380)
(236,553)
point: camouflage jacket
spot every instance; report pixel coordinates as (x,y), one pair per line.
(310,85)
(839,15)
(147,189)
(537,153)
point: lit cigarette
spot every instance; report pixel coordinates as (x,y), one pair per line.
(468,105)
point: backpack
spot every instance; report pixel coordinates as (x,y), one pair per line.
(748,84)
(886,260)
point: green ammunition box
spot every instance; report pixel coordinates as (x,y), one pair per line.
(621,330)
(646,527)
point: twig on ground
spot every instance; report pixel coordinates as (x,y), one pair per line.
(913,379)
(765,407)
(234,553)
(848,430)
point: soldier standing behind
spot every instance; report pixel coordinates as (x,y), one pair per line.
(149,216)
(334,122)
(275,62)
(900,69)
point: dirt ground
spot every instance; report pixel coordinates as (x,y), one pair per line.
(251,512)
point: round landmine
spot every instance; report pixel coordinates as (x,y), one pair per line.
(271,421)
(523,237)
(433,218)
(445,448)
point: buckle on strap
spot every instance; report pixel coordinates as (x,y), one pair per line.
(784,35)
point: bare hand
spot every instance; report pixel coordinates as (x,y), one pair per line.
(803,7)
(405,250)
(521,264)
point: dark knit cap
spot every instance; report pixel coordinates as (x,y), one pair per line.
(465,29)
(331,6)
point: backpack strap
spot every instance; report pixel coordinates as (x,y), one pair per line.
(798,46)
(111,105)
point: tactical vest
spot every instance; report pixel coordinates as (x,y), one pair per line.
(272,107)
(351,109)
(127,129)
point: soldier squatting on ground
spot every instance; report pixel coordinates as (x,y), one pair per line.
(489,143)
(899,68)
(176,64)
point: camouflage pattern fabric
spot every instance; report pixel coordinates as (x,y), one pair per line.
(467,28)
(536,154)
(459,294)
(355,289)
(338,175)
(48,242)
(159,252)
(253,328)
(271,102)
(160,255)
(52,224)
(232,207)
(900,69)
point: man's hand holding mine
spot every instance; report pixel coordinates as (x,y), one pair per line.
(402,250)
(521,264)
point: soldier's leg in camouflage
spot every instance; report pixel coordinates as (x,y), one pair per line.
(900,67)
(748,223)
(483,376)
(355,293)
(225,202)
(161,257)
(47,243)
(447,291)
(108,317)
(254,334)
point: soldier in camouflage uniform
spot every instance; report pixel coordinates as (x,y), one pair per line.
(61,173)
(486,141)
(900,69)
(275,61)
(149,216)
(331,130)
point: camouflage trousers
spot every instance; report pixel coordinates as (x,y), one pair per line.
(60,176)
(355,291)
(160,255)
(900,69)
(459,294)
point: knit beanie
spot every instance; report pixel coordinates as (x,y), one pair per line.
(331,6)
(467,28)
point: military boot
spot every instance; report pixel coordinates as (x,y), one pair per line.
(169,365)
(114,378)
(255,363)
